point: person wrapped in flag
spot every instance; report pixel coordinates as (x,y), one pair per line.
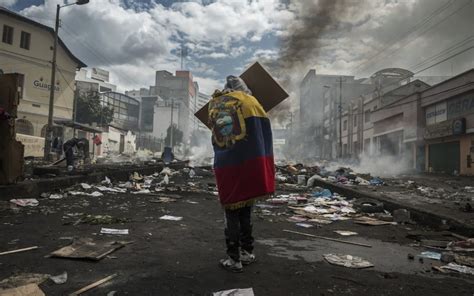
(243,164)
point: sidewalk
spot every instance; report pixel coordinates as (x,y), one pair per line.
(424,209)
(33,188)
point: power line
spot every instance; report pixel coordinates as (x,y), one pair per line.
(407,33)
(422,33)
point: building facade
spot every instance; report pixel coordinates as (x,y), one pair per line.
(448,115)
(26,48)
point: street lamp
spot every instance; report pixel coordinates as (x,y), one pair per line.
(49,129)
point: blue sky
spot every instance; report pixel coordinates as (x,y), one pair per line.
(132,38)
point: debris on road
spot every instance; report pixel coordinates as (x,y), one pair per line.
(345,232)
(93,285)
(100,220)
(22,280)
(171,218)
(59,279)
(87,248)
(235,292)
(329,238)
(372,221)
(459,268)
(26,290)
(19,250)
(113,231)
(430,255)
(25,202)
(347,261)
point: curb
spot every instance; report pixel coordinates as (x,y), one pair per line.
(420,215)
(33,189)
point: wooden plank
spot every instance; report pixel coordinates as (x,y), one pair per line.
(88,249)
(93,285)
(264,88)
(19,250)
(26,290)
(329,238)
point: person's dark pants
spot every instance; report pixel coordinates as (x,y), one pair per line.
(238,231)
(69,155)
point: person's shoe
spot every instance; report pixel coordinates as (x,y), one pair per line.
(231,265)
(247,258)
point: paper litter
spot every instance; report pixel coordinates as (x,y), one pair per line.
(235,292)
(171,218)
(113,231)
(25,202)
(347,261)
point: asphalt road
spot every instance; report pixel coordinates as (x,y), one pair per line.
(181,257)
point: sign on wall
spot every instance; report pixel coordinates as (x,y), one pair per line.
(40,84)
(100,74)
(461,105)
(446,128)
(436,113)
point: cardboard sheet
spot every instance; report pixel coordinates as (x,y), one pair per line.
(264,88)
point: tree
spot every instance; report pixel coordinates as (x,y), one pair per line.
(177,135)
(90,109)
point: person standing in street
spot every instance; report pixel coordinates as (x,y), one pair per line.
(243,165)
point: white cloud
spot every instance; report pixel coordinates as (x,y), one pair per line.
(208,85)
(8,3)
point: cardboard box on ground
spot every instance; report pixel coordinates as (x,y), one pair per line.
(264,88)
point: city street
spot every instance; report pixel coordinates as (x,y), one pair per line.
(181,257)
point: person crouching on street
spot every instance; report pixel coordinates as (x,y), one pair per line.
(81,144)
(243,165)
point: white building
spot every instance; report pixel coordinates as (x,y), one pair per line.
(26,48)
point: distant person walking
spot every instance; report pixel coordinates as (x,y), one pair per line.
(243,165)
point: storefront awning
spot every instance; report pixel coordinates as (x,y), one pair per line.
(77,125)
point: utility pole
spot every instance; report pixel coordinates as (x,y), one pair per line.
(171,125)
(340,117)
(49,129)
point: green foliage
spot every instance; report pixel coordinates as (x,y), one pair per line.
(90,109)
(177,135)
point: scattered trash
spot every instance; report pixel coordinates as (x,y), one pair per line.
(301,179)
(113,231)
(323,193)
(376,182)
(19,250)
(25,202)
(95,194)
(328,238)
(56,196)
(235,292)
(89,249)
(164,199)
(171,218)
(106,181)
(345,232)
(59,279)
(430,255)
(27,290)
(304,225)
(458,268)
(22,280)
(85,186)
(347,261)
(93,285)
(372,221)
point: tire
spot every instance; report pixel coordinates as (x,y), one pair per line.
(366,205)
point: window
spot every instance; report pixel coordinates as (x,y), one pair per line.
(7,34)
(25,40)
(344,125)
(24,127)
(355,120)
(367,116)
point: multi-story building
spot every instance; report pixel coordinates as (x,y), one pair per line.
(95,82)
(447,114)
(26,48)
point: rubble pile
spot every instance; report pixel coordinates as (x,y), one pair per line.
(301,175)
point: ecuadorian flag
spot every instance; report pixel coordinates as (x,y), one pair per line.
(243,152)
